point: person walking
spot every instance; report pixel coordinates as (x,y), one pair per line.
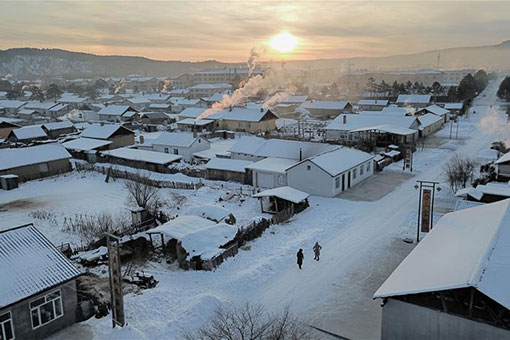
(317,250)
(300,257)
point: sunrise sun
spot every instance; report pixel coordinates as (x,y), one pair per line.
(284,42)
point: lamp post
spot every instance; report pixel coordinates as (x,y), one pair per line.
(431,187)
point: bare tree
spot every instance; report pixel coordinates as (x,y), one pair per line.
(143,192)
(458,171)
(251,322)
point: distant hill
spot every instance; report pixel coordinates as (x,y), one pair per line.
(490,57)
(40,63)
(33,63)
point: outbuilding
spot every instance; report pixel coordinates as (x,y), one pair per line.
(117,134)
(140,159)
(180,143)
(230,170)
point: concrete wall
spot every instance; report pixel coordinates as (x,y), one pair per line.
(268,180)
(185,152)
(401,320)
(22,321)
(122,140)
(35,171)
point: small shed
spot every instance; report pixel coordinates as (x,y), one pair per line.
(213,213)
(279,199)
(226,169)
(9,182)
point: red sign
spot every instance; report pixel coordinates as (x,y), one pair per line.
(426,209)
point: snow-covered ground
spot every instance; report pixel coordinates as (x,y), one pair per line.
(362,244)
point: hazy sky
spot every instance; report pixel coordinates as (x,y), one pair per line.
(226,30)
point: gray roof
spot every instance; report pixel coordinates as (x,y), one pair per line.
(176,139)
(115,110)
(100,131)
(14,158)
(30,264)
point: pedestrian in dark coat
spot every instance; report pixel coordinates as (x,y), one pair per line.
(317,250)
(300,257)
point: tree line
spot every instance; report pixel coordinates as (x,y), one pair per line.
(504,89)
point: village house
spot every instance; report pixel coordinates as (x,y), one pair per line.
(140,159)
(195,242)
(180,103)
(435,110)
(453,284)
(372,104)
(117,134)
(11,106)
(277,200)
(228,170)
(416,101)
(35,161)
(41,107)
(332,172)
(159,107)
(6,127)
(270,172)
(86,148)
(72,101)
(245,119)
(155,118)
(57,129)
(190,113)
(116,113)
(59,110)
(429,123)
(30,115)
(190,124)
(207,90)
(326,109)
(138,103)
(503,167)
(27,134)
(385,129)
(180,143)
(39,294)
(454,108)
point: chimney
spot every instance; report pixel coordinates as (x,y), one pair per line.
(230,108)
(300,154)
(142,139)
(261,109)
(344,119)
(195,133)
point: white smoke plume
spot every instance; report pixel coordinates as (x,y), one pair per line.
(276,98)
(167,86)
(495,124)
(252,60)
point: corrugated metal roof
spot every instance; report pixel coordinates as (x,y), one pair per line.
(176,139)
(13,158)
(30,264)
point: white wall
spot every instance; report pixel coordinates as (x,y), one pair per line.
(268,180)
(185,152)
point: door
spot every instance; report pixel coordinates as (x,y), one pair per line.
(348,180)
(264,180)
(343,182)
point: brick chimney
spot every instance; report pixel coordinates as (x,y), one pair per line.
(344,120)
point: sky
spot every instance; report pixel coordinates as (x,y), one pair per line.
(227,30)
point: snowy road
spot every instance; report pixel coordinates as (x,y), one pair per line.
(336,292)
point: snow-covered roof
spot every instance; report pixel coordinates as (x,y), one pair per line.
(414,98)
(143,155)
(115,110)
(58,107)
(30,264)
(242,114)
(29,132)
(466,248)
(353,122)
(503,159)
(222,86)
(227,164)
(100,131)
(191,121)
(388,111)
(273,165)
(12,104)
(436,110)
(13,158)
(285,193)
(191,112)
(341,159)
(394,129)
(428,119)
(324,105)
(378,102)
(210,212)
(40,105)
(180,139)
(26,112)
(198,236)
(85,144)
(247,145)
(469,191)
(65,124)
(294,99)
(72,99)
(494,188)
(453,106)
(184,101)
(159,106)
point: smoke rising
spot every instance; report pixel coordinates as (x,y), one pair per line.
(494,123)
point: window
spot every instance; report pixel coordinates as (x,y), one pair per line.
(308,167)
(361,170)
(6,327)
(337,182)
(176,151)
(46,309)
(354,173)
(368,166)
(281,180)
(166,150)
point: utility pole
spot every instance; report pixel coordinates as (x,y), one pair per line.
(425,205)
(117,298)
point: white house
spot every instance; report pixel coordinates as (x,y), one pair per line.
(438,111)
(114,112)
(414,100)
(270,172)
(429,123)
(179,143)
(331,172)
(454,283)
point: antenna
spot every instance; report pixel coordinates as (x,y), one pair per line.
(438,60)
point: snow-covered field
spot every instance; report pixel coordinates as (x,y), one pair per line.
(362,244)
